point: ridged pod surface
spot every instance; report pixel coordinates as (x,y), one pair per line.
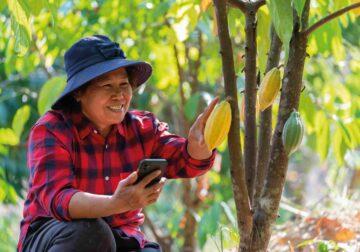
(269,88)
(292,133)
(218,125)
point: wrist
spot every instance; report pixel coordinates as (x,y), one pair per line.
(117,204)
(198,151)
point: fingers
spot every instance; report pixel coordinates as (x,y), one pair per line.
(210,108)
(138,195)
(158,186)
(129,180)
(155,190)
(202,118)
(149,178)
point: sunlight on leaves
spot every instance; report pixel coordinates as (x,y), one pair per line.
(263,38)
(299,7)
(208,223)
(282,18)
(8,137)
(191,107)
(322,135)
(21,117)
(20,24)
(49,92)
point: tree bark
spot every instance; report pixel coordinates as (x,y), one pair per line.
(243,211)
(250,144)
(269,202)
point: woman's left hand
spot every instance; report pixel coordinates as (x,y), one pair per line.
(197,147)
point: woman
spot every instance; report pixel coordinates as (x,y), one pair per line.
(83,155)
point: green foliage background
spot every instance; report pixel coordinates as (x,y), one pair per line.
(178,37)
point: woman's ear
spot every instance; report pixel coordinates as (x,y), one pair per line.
(77,94)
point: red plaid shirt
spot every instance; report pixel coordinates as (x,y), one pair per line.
(67,155)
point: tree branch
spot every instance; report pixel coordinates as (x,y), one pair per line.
(265,131)
(329,18)
(242,5)
(197,63)
(238,4)
(181,74)
(243,211)
(250,144)
(267,211)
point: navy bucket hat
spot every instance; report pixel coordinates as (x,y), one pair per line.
(96,55)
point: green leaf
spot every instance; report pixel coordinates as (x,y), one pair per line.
(328,39)
(191,106)
(36,6)
(209,223)
(305,243)
(4,150)
(20,25)
(299,7)
(8,137)
(2,192)
(282,19)
(308,112)
(322,135)
(339,145)
(346,134)
(186,15)
(21,117)
(229,214)
(49,92)
(7,192)
(263,37)
(323,247)
(160,9)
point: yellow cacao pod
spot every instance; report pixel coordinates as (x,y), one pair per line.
(269,88)
(218,125)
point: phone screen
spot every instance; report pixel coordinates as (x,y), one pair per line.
(148,166)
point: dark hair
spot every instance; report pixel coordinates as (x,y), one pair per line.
(69,103)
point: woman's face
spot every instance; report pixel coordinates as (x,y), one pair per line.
(106,99)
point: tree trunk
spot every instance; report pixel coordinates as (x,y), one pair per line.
(243,210)
(267,211)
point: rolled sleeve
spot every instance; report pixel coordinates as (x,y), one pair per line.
(53,180)
(60,206)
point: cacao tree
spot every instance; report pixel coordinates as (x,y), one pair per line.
(258,175)
(181,40)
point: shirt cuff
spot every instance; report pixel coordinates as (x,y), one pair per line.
(61,202)
(196,162)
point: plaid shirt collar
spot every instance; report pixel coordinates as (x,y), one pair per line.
(85,126)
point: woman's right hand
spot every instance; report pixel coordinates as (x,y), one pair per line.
(129,196)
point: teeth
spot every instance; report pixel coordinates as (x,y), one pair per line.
(121,107)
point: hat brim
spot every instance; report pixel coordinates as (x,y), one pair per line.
(138,71)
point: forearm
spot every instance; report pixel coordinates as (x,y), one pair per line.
(88,205)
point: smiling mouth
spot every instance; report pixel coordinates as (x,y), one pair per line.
(120,108)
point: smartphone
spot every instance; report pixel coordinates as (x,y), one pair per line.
(147,166)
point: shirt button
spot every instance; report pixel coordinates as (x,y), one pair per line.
(107,178)
(95,131)
(106,146)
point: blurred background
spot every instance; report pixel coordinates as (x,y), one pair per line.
(179,38)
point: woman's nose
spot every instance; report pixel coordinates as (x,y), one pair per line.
(118,92)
